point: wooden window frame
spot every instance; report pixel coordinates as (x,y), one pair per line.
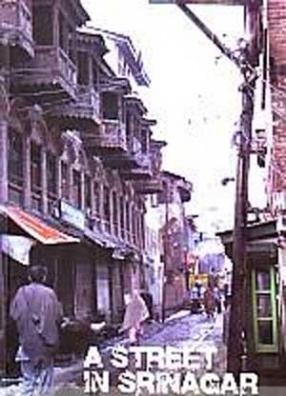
(259,347)
(16,181)
(76,189)
(36,189)
(65,183)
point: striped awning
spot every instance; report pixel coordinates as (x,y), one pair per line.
(37,228)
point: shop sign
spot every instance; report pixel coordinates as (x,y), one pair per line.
(72,215)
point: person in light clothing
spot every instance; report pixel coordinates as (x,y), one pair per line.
(136,313)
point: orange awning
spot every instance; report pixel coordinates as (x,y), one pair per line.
(36,228)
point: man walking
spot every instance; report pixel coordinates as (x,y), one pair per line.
(37,313)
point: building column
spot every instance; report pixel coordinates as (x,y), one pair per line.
(111,209)
(44,181)
(82,191)
(27,172)
(118,216)
(70,182)
(101,222)
(3,161)
(59,178)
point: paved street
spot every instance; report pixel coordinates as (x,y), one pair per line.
(181,330)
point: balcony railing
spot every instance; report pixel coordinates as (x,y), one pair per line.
(16,23)
(113,135)
(84,108)
(152,186)
(51,66)
(88,102)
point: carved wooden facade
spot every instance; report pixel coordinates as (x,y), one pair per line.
(74,147)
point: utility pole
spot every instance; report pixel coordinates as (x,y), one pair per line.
(166,249)
(237,345)
(237,352)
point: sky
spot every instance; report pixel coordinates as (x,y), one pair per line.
(193,94)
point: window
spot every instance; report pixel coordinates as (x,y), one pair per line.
(36,167)
(134,215)
(15,158)
(115,212)
(96,204)
(87,192)
(36,175)
(76,189)
(64,31)
(122,215)
(43,25)
(83,70)
(15,167)
(144,141)
(109,102)
(52,180)
(128,220)
(264,310)
(106,207)
(65,180)
(95,75)
(142,230)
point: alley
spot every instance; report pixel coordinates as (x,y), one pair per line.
(180,330)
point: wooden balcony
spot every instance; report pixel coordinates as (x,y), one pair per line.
(16,25)
(153,186)
(142,170)
(107,141)
(82,113)
(51,70)
(113,137)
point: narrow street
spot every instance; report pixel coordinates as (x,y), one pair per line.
(182,330)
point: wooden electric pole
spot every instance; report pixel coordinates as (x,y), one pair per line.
(245,60)
(166,249)
(237,341)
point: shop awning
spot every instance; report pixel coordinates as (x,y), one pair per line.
(37,228)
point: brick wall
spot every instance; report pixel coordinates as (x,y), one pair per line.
(277,34)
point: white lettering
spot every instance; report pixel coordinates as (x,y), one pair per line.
(173,358)
(209,384)
(146,380)
(190,384)
(95,381)
(93,358)
(248,381)
(229,384)
(119,357)
(127,382)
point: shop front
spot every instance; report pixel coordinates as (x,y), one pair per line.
(24,240)
(265,299)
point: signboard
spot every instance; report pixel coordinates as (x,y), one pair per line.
(201,278)
(72,215)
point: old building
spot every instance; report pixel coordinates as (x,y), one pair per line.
(77,160)
(264,303)
(262,261)
(177,191)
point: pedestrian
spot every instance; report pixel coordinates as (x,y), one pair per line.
(37,313)
(217,295)
(209,302)
(135,314)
